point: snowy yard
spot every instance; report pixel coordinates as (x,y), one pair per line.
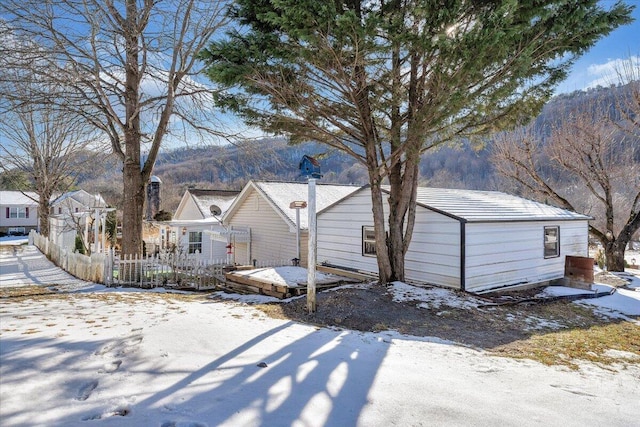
(88,355)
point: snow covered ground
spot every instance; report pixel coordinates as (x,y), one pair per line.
(123,357)
(287,276)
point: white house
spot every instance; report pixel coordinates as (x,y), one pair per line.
(468,240)
(18,212)
(72,213)
(261,224)
(198,214)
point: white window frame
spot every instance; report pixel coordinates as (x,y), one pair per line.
(17,212)
(551,242)
(16,230)
(368,243)
(195,242)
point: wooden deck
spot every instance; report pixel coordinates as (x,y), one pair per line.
(237,281)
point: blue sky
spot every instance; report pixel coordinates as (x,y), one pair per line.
(596,66)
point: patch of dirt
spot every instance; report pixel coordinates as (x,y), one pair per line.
(610,279)
(487,327)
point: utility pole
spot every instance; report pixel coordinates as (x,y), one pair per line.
(310,168)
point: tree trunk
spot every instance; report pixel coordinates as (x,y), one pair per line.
(134,184)
(43,215)
(384,263)
(134,193)
(614,253)
(404,185)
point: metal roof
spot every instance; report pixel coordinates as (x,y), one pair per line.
(490,206)
(281,194)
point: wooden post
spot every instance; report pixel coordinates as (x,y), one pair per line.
(311,261)
(298,234)
(96,230)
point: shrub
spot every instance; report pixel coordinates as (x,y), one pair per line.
(600,259)
(79,246)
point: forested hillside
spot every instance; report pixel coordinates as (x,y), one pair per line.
(455,165)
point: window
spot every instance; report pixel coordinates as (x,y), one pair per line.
(551,242)
(16,231)
(368,241)
(195,242)
(18,212)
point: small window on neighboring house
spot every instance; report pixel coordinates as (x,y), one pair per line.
(195,242)
(76,210)
(368,241)
(551,242)
(59,210)
(18,212)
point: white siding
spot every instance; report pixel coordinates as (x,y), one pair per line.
(271,239)
(340,233)
(502,254)
(189,211)
(433,257)
(434,253)
(496,253)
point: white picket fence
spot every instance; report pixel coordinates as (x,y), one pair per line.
(89,268)
(169,270)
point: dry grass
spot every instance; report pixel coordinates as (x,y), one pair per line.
(557,333)
(604,344)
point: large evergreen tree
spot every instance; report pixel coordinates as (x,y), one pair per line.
(386,80)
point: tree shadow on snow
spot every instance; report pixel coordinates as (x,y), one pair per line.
(320,379)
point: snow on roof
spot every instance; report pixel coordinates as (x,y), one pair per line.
(281,194)
(204,199)
(18,198)
(81,196)
(480,206)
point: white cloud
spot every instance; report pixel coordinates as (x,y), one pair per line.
(609,73)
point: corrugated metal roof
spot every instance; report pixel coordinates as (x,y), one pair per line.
(17,198)
(281,194)
(490,206)
(205,198)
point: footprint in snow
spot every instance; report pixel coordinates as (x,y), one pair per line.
(135,340)
(104,349)
(85,391)
(182,424)
(120,412)
(110,367)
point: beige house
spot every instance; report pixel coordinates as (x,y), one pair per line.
(261,225)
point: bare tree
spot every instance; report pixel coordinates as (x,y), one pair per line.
(585,165)
(128,67)
(45,143)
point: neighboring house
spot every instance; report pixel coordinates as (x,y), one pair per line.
(18,212)
(72,213)
(78,201)
(197,215)
(261,225)
(463,239)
